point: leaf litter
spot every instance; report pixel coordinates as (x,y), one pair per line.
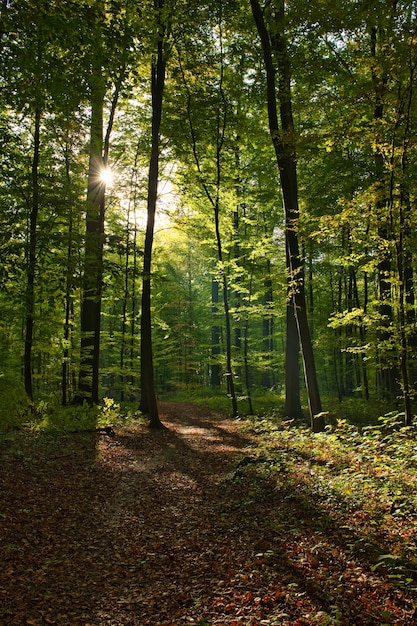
(188,525)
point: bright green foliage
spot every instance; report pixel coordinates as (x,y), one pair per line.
(15,406)
(51,418)
(366,476)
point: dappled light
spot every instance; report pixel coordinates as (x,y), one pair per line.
(168,528)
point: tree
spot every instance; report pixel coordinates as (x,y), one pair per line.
(148,404)
(270,25)
(101,52)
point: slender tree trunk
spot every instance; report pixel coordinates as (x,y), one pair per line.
(404,258)
(215,335)
(268,330)
(388,372)
(237,280)
(69,305)
(246,345)
(293,407)
(362,334)
(124,344)
(273,41)
(148,403)
(214,199)
(124,308)
(31,260)
(221,129)
(229,370)
(133,310)
(189,343)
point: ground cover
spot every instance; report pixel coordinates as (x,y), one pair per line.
(209,522)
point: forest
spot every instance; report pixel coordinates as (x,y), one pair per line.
(209,196)
(208,324)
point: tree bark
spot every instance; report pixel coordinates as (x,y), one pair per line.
(88,384)
(148,404)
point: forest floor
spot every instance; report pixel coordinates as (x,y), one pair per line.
(180,526)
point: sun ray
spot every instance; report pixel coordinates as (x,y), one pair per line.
(106,176)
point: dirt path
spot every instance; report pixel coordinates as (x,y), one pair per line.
(157,528)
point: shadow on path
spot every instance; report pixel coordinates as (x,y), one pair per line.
(160,529)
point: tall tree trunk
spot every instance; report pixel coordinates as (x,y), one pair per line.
(237,342)
(404,252)
(148,404)
(133,310)
(274,45)
(31,259)
(214,199)
(92,286)
(124,343)
(221,129)
(124,307)
(293,407)
(388,372)
(246,341)
(69,304)
(88,384)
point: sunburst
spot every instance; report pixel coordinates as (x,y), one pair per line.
(106,176)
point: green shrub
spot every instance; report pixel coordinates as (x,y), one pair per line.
(15,405)
(75,418)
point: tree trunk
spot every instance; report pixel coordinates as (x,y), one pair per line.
(404,256)
(273,42)
(148,404)
(214,199)
(133,309)
(124,309)
(215,335)
(293,407)
(31,259)
(229,370)
(268,330)
(88,384)
(69,303)
(388,372)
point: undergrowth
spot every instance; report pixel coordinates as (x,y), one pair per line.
(49,417)
(365,473)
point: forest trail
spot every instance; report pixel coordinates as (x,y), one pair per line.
(165,528)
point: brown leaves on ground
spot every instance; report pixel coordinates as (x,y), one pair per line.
(162,528)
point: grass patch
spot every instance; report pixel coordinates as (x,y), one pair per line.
(264,401)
